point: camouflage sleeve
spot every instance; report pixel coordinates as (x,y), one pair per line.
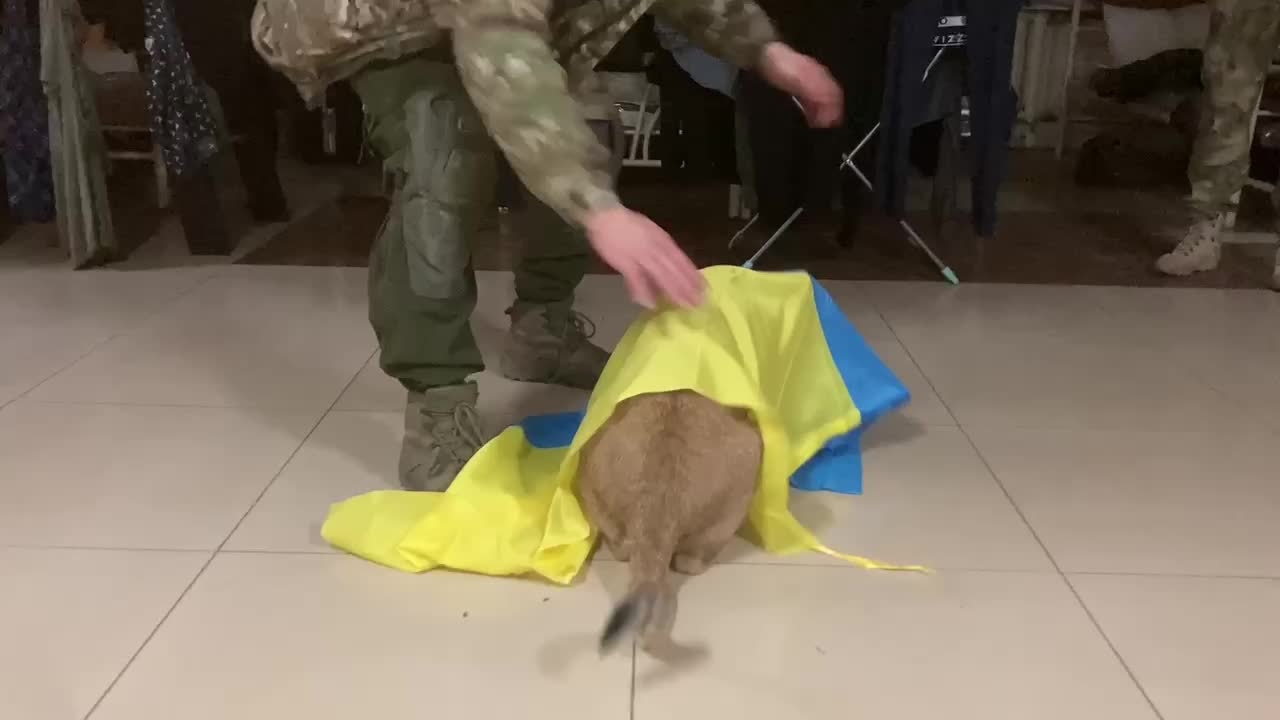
(510,72)
(735,30)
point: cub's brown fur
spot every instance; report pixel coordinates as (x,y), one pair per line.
(667,481)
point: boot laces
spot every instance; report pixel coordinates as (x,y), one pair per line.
(578,328)
(1199,235)
(458,430)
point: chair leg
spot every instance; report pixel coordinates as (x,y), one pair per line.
(163,193)
(942,203)
(1064,114)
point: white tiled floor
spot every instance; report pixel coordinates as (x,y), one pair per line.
(1093,472)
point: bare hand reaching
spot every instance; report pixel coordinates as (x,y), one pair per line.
(650,262)
(805,79)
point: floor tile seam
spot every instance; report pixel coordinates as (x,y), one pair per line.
(1111,307)
(1115,651)
(1169,576)
(1202,428)
(150,635)
(798,564)
(146,320)
(179,405)
(1079,598)
(298,448)
(214,554)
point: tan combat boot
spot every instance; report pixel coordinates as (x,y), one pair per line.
(441,433)
(550,344)
(1200,250)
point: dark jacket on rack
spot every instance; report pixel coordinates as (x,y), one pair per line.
(991,28)
(794,165)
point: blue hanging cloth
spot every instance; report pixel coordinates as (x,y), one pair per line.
(181,119)
(24,116)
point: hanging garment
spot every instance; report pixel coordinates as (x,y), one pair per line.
(77,149)
(6,215)
(772,343)
(706,69)
(991,27)
(697,124)
(24,118)
(864,28)
(181,121)
(795,165)
(216,36)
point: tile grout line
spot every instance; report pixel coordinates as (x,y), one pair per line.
(1115,651)
(632,705)
(320,420)
(147,319)
(147,640)
(1199,376)
(798,564)
(198,406)
(213,555)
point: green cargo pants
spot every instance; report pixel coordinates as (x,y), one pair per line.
(422,286)
(1242,43)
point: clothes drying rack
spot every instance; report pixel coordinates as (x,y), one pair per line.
(951,34)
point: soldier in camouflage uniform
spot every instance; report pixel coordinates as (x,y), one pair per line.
(444,82)
(1242,42)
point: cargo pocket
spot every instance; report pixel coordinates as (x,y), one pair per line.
(451,175)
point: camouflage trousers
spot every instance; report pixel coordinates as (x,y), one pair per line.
(422,286)
(1242,41)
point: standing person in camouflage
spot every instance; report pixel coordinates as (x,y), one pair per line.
(1242,42)
(442,82)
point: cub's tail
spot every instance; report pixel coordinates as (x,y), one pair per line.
(633,617)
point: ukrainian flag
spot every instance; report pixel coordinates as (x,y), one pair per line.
(775,344)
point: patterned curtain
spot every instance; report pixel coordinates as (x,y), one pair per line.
(24,116)
(181,119)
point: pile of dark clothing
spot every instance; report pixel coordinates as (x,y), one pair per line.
(1145,156)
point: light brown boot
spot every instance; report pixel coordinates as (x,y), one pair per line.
(1200,250)
(550,344)
(441,433)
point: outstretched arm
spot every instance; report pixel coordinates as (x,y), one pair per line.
(512,76)
(735,30)
(522,93)
(740,32)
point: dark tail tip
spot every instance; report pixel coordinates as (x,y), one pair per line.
(629,618)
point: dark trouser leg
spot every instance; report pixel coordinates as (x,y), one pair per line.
(217,37)
(251,116)
(773,126)
(555,255)
(421,286)
(203,221)
(554,258)
(6,222)
(698,131)
(548,343)
(722,142)
(674,145)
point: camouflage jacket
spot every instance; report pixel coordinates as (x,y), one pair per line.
(522,62)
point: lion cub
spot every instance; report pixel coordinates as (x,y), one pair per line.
(667,481)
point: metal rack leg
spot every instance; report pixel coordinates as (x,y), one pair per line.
(848,162)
